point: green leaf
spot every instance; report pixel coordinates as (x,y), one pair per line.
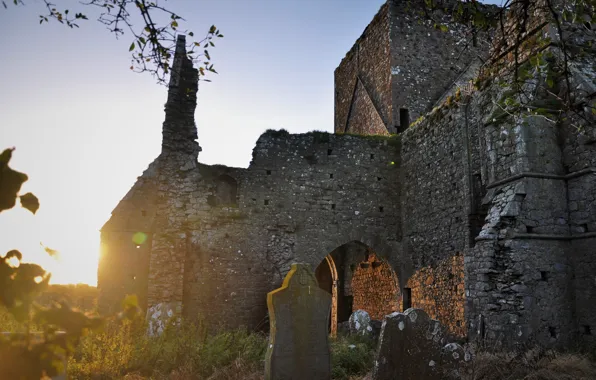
(132,47)
(10,182)
(212,29)
(30,202)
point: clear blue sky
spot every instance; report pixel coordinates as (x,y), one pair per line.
(85,127)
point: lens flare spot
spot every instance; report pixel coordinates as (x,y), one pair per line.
(139,238)
(13,262)
(38,279)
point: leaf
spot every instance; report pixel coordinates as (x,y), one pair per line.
(191,34)
(52,252)
(207,55)
(30,202)
(212,29)
(6,156)
(10,182)
(132,47)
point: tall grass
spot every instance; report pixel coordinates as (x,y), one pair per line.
(181,352)
(187,351)
(533,364)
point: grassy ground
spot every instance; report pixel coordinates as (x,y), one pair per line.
(123,351)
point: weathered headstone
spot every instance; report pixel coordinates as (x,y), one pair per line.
(360,323)
(299,337)
(413,347)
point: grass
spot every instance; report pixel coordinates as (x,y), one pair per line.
(123,351)
(352,357)
(188,352)
(533,364)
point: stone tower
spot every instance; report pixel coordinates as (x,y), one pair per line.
(127,239)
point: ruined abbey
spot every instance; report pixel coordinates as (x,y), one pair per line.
(427,195)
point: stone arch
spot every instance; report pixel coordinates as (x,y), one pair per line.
(327,277)
(376,281)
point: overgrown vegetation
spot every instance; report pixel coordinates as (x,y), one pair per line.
(530,65)
(534,364)
(183,352)
(352,356)
(189,351)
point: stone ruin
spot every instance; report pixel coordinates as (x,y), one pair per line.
(484,221)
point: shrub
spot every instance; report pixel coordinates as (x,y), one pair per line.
(351,355)
(185,351)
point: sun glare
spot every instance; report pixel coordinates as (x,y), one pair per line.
(70,258)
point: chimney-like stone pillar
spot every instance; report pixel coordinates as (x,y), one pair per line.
(179,128)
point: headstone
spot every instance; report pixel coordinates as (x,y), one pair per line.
(360,323)
(413,347)
(160,315)
(299,337)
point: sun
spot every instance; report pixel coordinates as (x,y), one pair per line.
(73,255)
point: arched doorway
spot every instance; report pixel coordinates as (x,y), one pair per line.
(326,274)
(357,278)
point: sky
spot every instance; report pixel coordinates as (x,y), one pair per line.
(85,127)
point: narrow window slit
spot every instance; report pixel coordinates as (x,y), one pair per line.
(407,299)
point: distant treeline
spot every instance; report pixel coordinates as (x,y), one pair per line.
(80,296)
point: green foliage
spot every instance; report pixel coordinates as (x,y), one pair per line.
(125,348)
(26,355)
(10,185)
(320,137)
(351,355)
(153,43)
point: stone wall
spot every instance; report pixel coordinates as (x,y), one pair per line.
(363,82)
(375,288)
(439,291)
(525,279)
(300,198)
(401,65)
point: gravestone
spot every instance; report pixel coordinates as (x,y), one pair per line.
(299,320)
(360,323)
(414,347)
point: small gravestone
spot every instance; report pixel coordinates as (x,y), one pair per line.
(360,323)
(299,337)
(413,347)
